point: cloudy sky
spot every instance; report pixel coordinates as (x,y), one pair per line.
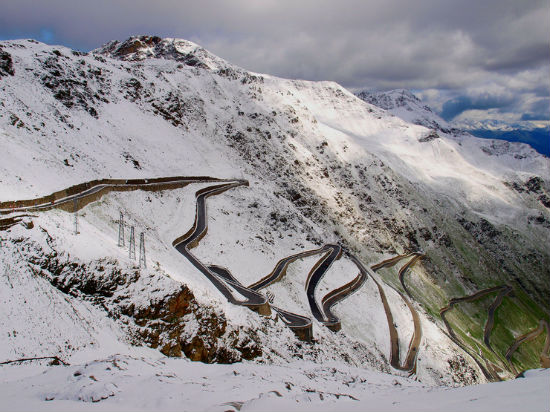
(468,59)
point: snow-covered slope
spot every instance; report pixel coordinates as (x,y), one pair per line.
(323,166)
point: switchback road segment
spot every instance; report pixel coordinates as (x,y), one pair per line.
(189,240)
(409,364)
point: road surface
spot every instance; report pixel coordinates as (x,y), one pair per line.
(409,364)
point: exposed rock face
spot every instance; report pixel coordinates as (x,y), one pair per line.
(74,86)
(142,47)
(388,101)
(133,48)
(6,64)
(462,372)
(535,186)
(432,135)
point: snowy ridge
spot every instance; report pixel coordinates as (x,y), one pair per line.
(324,168)
(405,105)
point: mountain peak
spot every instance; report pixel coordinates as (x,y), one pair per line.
(139,48)
(134,48)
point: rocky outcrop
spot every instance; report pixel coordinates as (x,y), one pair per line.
(133,48)
(432,135)
(138,48)
(6,64)
(535,186)
(73,86)
(463,373)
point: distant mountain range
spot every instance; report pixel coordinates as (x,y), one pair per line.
(405,105)
(538,138)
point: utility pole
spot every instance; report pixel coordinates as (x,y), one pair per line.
(121,230)
(132,246)
(75,208)
(142,250)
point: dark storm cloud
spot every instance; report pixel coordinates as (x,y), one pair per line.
(460,104)
(540,110)
(533,116)
(426,44)
(528,56)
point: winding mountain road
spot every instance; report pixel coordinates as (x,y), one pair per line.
(75,197)
(390,262)
(221,276)
(409,364)
(339,294)
(330,253)
(506,290)
(189,240)
(406,268)
(529,336)
(91,191)
(488,370)
(300,325)
(280,268)
(315,276)
(470,298)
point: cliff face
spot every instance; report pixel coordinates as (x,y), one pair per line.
(324,167)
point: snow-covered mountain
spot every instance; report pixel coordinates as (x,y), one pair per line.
(379,177)
(405,105)
(534,133)
(496,125)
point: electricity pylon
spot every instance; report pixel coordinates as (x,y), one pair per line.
(75,208)
(121,230)
(142,250)
(132,246)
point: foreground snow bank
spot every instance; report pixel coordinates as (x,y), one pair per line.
(123,382)
(525,394)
